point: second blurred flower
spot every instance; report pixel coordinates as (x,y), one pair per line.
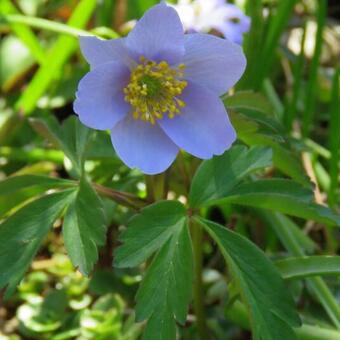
(207,15)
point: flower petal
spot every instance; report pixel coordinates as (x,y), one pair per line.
(97,51)
(213,62)
(100,100)
(228,27)
(142,145)
(158,35)
(203,127)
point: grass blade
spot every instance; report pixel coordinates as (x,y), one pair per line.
(334,138)
(277,25)
(24,33)
(291,108)
(64,47)
(281,225)
(312,84)
(299,267)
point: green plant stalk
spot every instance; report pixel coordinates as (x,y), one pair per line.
(197,240)
(57,27)
(321,174)
(291,108)
(317,284)
(317,148)
(277,25)
(334,138)
(43,24)
(273,97)
(252,42)
(312,85)
(156,187)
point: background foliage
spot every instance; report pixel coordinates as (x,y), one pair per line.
(246,244)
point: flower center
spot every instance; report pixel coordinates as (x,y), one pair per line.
(154,89)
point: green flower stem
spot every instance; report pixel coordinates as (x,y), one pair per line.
(197,238)
(156,187)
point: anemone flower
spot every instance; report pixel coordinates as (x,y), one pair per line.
(157,91)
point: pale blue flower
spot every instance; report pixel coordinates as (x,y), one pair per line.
(205,15)
(158,90)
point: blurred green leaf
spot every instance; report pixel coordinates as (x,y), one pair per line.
(43,315)
(271,308)
(16,183)
(215,177)
(15,58)
(281,195)
(136,8)
(84,227)
(299,267)
(55,303)
(22,233)
(248,100)
(24,33)
(71,137)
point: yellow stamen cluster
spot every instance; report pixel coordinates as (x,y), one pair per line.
(154,89)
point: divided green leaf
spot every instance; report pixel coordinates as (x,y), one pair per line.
(17,189)
(216,176)
(165,292)
(84,227)
(271,307)
(22,234)
(148,231)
